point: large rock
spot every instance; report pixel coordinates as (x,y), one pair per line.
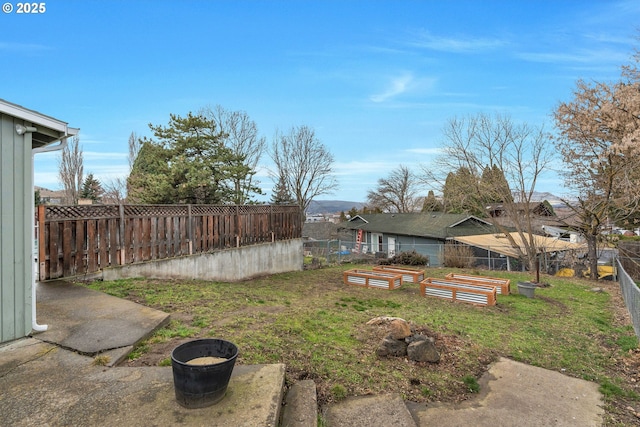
(423,350)
(392,347)
(399,329)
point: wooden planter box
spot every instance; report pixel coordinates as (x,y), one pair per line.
(409,275)
(503,285)
(457,291)
(372,279)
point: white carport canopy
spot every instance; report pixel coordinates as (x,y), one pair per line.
(499,243)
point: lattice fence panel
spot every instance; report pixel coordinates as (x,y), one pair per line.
(76,240)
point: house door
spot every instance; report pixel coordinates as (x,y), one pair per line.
(391,246)
(376,242)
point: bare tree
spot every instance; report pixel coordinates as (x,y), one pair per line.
(114,191)
(503,161)
(240,134)
(304,163)
(70,170)
(397,192)
(599,135)
(135,144)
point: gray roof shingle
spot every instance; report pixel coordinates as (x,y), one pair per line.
(435,225)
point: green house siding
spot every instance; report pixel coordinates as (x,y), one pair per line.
(15,230)
(431,248)
(42,133)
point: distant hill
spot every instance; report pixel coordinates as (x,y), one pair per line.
(332,206)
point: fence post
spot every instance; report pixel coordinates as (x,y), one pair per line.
(190,229)
(238,228)
(271,223)
(123,240)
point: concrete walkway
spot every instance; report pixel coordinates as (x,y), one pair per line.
(91,322)
(51,379)
(516,394)
(512,394)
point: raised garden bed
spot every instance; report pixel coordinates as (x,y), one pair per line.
(372,279)
(458,291)
(409,275)
(503,285)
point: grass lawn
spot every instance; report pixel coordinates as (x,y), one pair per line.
(315,325)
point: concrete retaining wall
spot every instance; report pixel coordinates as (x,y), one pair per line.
(229,265)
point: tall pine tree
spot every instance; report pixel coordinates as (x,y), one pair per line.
(91,189)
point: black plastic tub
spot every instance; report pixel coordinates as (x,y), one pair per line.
(197,386)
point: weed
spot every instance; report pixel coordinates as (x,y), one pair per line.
(137,352)
(627,342)
(425,391)
(472,383)
(175,329)
(200,322)
(339,391)
(611,390)
(165,362)
(101,360)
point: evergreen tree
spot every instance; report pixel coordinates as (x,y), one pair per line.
(281,194)
(91,189)
(431,204)
(187,163)
(149,181)
(494,187)
(460,193)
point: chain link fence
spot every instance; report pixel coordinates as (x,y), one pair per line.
(631,294)
(628,275)
(325,252)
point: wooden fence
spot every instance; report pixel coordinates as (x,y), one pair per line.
(78,240)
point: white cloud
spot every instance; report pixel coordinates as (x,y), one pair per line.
(22,47)
(47,180)
(359,168)
(464,44)
(99,155)
(428,151)
(583,56)
(396,87)
(405,84)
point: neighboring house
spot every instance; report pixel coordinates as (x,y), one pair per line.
(545,219)
(23,133)
(50,197)
(536,208)
(426,233)
(325,230)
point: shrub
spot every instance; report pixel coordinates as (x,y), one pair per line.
(406,258)
(458,256)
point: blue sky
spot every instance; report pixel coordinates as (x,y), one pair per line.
(377,80)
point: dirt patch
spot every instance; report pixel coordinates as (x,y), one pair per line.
(157,353)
